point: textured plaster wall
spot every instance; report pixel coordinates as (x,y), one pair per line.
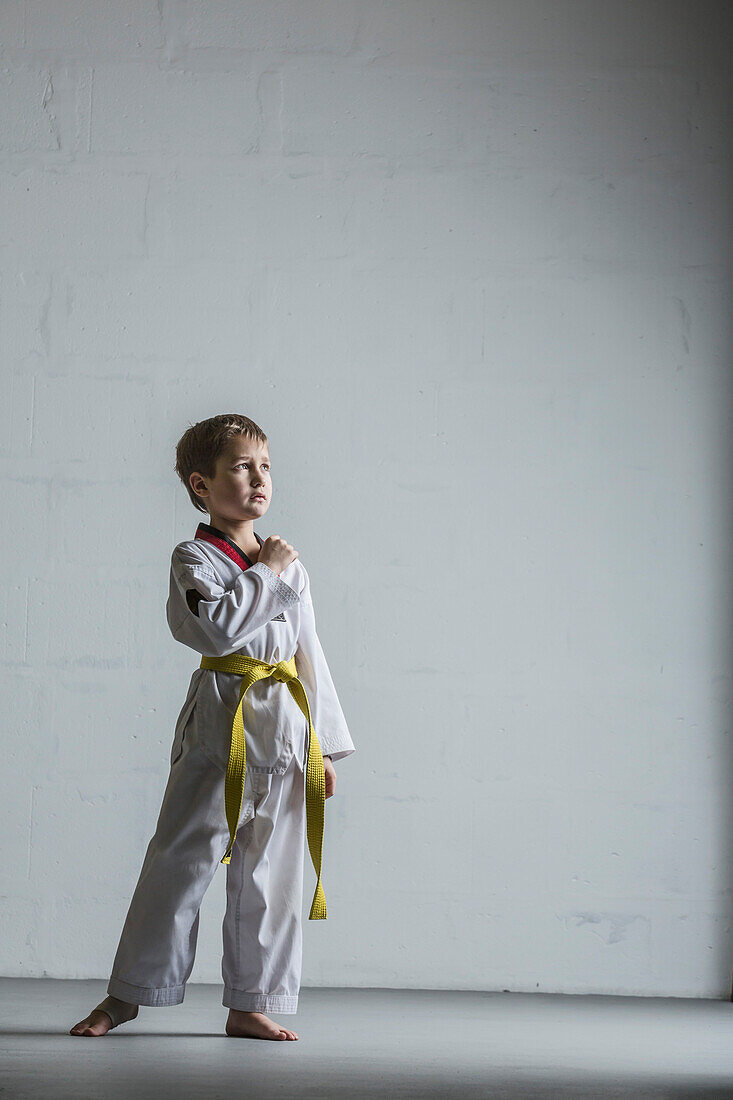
(467,264)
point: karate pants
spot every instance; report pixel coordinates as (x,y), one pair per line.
(262,928)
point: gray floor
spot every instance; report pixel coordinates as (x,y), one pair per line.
(370,1042)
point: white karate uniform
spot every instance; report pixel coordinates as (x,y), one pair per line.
(221,603)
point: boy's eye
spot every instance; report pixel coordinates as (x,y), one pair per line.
(265,464)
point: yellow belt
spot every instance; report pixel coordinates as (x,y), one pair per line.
(251,670)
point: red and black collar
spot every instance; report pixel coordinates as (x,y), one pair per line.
(222,542)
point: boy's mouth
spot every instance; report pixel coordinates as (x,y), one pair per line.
(258,496)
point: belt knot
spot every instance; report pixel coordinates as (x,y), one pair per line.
(284,671)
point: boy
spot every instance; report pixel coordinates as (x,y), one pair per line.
(248,772)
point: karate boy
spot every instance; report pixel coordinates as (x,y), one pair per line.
(252,756)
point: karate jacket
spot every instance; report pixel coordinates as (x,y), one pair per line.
(219,603)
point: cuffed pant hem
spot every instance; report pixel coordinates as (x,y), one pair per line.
(144,995)
(258,1002)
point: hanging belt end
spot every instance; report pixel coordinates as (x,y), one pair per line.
(318,905)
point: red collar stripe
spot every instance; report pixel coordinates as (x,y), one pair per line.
(222,542)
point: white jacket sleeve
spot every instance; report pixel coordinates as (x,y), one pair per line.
(215,621)
(328,717)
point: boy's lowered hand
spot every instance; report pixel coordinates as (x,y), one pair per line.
(330,776)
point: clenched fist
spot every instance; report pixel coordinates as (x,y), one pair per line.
(276,553)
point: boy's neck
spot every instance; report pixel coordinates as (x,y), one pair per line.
(241,533)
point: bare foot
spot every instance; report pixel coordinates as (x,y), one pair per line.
(255,1025)
(99,1022)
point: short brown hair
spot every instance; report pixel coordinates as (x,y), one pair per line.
(201,444)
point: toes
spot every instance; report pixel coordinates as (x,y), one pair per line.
(88,1027)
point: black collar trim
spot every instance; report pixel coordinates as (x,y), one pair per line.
(227,546)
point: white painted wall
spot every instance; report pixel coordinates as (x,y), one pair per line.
(467,264)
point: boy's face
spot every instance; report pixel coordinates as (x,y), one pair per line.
(242,486)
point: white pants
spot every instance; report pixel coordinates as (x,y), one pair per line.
(262,929)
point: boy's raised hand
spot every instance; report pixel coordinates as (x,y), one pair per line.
(276,553)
